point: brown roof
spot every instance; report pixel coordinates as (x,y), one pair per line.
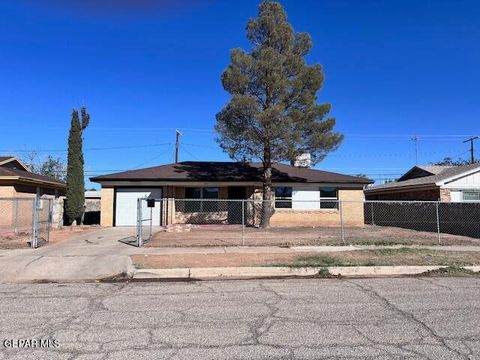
(230,172)
(29,176)
(4,158)
(434,169)
(432,180)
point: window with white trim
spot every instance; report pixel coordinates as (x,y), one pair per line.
(328,198)
(283,197)
(471,195)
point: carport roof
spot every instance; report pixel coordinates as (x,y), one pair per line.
(209,171)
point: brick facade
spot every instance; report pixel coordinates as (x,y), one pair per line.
(107,208)
(445,195)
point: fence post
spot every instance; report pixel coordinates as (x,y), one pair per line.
(151,224)
(373,218)
(342,233)
(438,220)
(243,222)
(16,216)
(139,223)
(50,217)
(34,223)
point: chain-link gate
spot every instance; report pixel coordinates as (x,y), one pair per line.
(42,222)
(25,220)
(144,220)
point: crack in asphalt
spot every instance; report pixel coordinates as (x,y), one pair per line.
(374,294)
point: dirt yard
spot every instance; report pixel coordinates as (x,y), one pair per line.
(231,235)
(385,257)
(21,239)
(10,239)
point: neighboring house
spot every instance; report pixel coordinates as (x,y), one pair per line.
(432,183)
(16,180)
(304,197)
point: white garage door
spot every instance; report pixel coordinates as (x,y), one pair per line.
(126,205)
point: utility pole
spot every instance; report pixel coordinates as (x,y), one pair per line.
(472,153)
(177,143)
(415,141)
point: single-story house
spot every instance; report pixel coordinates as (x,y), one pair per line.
(303,196)
(16,180)
(432,183)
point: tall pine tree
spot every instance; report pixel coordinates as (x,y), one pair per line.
(75,174)
(273,113)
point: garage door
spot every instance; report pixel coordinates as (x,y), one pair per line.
(126,205)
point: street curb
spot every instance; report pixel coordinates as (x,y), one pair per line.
(272,272)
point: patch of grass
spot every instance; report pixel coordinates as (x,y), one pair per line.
(382,242)
(451,270)
(395,251)
(378,242)
(319,261)
(325,274)
(329,260)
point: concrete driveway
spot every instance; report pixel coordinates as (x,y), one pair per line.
(94,255)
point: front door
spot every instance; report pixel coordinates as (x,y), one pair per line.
(235,207)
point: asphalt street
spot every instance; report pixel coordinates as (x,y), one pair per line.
(402,318)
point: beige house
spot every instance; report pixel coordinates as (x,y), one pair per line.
(189,190)
(17,181)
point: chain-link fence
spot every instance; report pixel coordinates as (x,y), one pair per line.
(25,222)
(145,219)
(287,222)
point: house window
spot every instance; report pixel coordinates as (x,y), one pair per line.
(194,199)
(471,196)
(209,205)
(328,198)
(283,197)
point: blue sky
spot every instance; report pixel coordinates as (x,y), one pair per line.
(394,69)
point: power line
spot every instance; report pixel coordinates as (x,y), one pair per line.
(150,160)
(189,153)
(91,149)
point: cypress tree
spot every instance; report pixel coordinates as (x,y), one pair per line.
(75,174)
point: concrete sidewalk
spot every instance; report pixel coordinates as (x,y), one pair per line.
(100,254)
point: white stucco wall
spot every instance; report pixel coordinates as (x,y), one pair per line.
(469,182)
